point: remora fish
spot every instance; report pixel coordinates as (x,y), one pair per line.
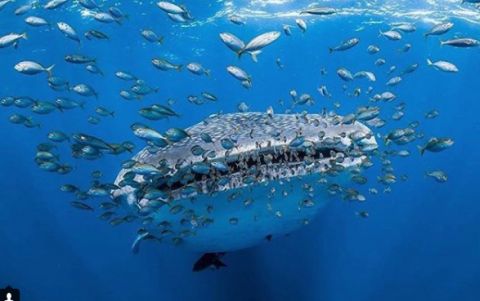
(268,143)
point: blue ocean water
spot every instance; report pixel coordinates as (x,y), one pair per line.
(420,241)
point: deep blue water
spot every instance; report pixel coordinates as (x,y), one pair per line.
(420,242)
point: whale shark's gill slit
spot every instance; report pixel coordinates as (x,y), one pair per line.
(244,164)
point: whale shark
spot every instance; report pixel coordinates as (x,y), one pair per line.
(242,178)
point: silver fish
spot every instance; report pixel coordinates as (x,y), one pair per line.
(12,39)
(255,46)
(439,29)
(32,68)
(443,66)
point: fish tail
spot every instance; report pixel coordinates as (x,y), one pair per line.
(49,70)
(160,40)
(255,54)
(331,50)
(129,149)
(136,245)
(442,43)
(179,68)
(429,62)
(240,53)
(421,149)
(218,263)
(207,72)
(25,36)
(82,105)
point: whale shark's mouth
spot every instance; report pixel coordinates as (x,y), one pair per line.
(261,165)
(267,148)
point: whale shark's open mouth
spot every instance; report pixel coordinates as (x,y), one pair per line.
(257,166)
(261,148)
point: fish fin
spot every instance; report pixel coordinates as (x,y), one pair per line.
(421,149)
(255,55)
(219,264)
(429,62)
(179,68)
(25,36)
(239,53)
(442,43)
(207,72)
(330,50)
(136,243)
(49,70)
(160,40)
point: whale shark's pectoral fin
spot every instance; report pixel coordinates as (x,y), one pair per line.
(138,240)
(209,260)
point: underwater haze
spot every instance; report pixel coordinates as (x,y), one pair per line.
(392,215)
